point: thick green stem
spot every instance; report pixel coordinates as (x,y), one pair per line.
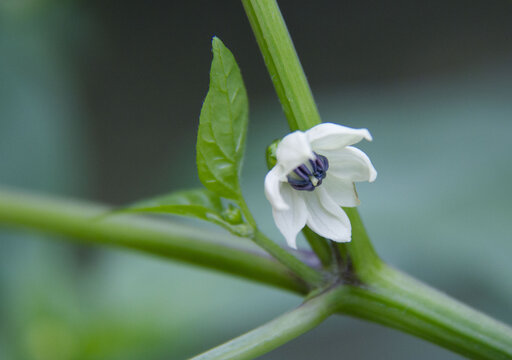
(396,300)
(287,74)
(75,220)
(278,331)
(282,63)
(386,296)
(392,298)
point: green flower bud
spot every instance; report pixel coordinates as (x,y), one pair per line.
(232,215)
(271,154)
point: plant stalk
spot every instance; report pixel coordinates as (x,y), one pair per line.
(288,78)
(396,300)
(76,221)
(282,63)
(278,331)
(385,295)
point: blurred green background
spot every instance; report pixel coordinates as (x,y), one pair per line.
(100,100)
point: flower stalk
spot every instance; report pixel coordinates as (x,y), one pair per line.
(311,276)
(320,247)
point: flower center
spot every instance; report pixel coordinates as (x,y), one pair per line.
(309,176)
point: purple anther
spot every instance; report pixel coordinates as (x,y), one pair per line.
(303,172)
(301,184)
(318,171)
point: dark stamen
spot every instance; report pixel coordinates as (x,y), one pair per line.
(317,170)
(303,172)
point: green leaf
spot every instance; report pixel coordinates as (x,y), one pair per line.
(223,126)
(198,203)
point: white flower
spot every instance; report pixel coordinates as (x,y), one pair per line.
(313,177)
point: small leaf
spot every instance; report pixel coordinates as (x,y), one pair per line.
(223,126)
(198,203)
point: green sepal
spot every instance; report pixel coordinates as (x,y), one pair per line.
(270,154)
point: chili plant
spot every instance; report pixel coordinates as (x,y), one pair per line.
(311,189)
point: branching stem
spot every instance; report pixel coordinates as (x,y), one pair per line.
(278,331)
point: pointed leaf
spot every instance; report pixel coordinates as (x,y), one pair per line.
(198,203)
(222,125)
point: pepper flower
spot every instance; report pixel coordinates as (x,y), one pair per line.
(313,177)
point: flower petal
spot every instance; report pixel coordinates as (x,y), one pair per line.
(326,218)
(291,221)
(342,191)
(273,182)
(328,136)
(350,164)
(293,151)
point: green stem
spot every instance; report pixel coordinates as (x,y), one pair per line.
(287,74)
(386,296)
(303,271)
(74,220)
(392,298)
(282,63)
(308,274)
(278,331)
(396,300)
(320,246)
(364,260)
(295,96)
